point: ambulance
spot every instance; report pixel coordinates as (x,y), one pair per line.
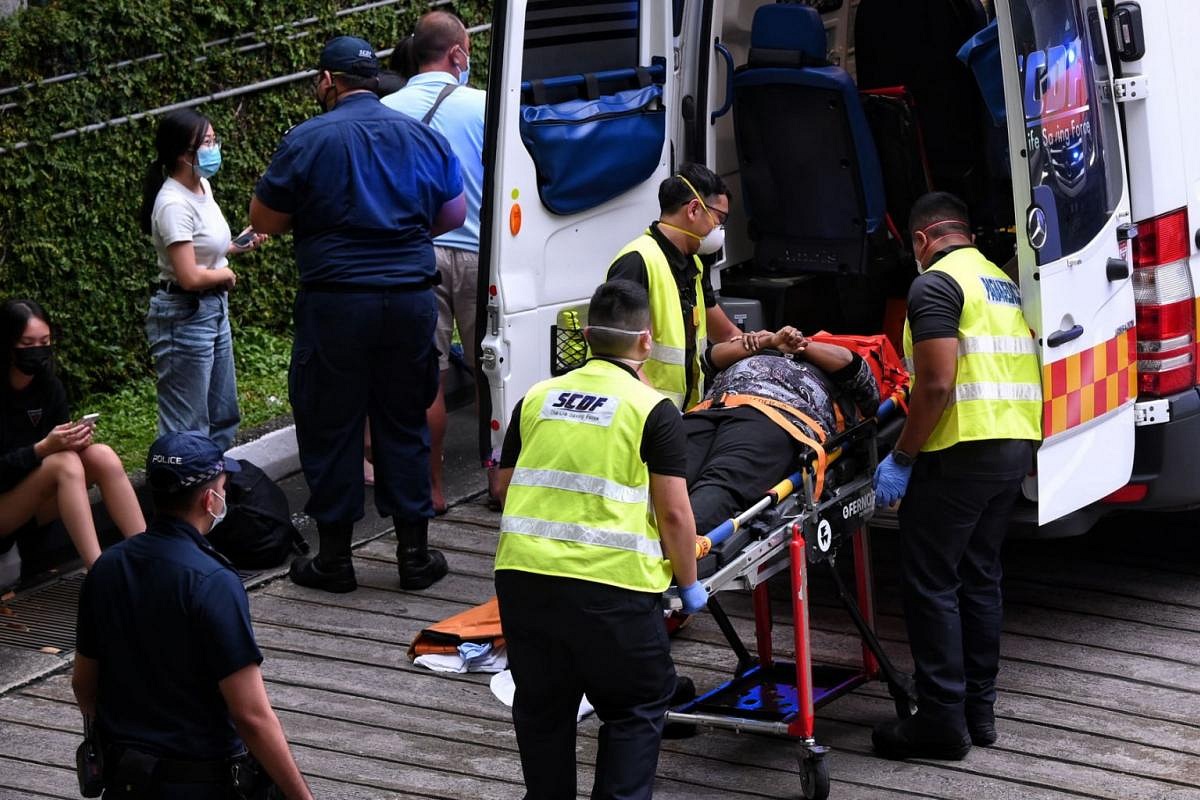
(1065,125)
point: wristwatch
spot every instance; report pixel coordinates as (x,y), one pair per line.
(902,458)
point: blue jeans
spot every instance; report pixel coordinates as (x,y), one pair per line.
(192,348)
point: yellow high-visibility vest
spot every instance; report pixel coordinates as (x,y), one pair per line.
(579,503)
(667,367)
(998,387)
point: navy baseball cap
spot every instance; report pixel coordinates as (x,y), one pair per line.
(183,460)
(350,55)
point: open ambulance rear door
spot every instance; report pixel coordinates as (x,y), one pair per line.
(578,139)
(1072,209)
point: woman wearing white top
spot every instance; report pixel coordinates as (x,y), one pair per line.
(188,321)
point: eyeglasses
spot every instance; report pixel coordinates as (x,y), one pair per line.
(211,141)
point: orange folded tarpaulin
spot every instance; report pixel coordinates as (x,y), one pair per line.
(478,624)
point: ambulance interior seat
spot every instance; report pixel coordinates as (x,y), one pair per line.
(810,174)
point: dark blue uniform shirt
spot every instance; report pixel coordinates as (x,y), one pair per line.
(363,184)
(167,619)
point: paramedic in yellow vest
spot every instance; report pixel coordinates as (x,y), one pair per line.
(665,259)
(596,521)
(973,417)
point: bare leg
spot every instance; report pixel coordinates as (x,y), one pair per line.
(101,466)
(368,460)
(436,418)
(54,490)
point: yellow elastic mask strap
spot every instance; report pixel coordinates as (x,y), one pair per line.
(703,205)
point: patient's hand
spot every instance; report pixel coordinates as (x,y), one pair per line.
(789,340)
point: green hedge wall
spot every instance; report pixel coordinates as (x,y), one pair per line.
(69,235)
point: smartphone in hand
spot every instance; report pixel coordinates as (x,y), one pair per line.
(89,420)
(244,239)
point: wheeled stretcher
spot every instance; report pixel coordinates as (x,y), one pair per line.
(794,531)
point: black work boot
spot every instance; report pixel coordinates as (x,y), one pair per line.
(915,737)
(419,566)
(330,569)
(981,724)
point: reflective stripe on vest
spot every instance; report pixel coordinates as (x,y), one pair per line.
(578,505)
(998,384)
(575,482)
(666,369)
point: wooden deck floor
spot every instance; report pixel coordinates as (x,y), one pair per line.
(1100,688)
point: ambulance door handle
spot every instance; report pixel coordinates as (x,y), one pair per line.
(1117,269)
(1059,338)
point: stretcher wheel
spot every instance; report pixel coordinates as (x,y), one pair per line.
(814,775)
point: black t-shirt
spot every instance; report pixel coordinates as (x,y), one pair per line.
(935,305)
(25,419)
(664,443)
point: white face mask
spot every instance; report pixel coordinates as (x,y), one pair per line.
(224,510)
(633,362)
(713,241)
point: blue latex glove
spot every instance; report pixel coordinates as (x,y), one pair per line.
(891,481)
(694,597)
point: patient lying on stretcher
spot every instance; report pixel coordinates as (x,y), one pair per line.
(737,452)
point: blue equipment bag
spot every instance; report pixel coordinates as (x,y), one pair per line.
(982,54)
(589,151)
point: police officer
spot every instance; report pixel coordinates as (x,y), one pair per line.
(363,188)
(974,413)
(596,520)
(693,206)
(166,664)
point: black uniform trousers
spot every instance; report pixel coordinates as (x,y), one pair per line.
(360,353)
(734,455)
(567,637)
(951,532)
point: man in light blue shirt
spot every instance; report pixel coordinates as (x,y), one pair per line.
(439,96)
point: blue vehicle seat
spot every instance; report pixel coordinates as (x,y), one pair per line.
(811,180)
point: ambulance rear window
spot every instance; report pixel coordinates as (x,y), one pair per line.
(566,37)
(1071,139)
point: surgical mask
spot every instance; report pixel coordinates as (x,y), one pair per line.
(32,360)
(465,75)
(633,362)
(224,510)
(208,161)
(930,242)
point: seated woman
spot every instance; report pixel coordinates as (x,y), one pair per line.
(737,453)
(47,461)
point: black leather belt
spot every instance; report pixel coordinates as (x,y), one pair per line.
(334,287)
(171,287)
(131,765)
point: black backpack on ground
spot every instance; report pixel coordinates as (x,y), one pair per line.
(257,533)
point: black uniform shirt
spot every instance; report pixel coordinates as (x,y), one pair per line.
(167,619)
(935,305)
(664,444)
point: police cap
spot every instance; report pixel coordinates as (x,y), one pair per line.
(182,460)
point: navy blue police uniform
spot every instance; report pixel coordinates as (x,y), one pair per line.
(166,618)
(363,185)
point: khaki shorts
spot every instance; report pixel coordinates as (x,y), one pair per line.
(456,302)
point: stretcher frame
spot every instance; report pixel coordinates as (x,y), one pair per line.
(781,698)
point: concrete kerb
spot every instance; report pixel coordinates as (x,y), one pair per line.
(275,453)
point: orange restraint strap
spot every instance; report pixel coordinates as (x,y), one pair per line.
(771,409)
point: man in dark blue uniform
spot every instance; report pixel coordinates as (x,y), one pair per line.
(166,666)
(363,189)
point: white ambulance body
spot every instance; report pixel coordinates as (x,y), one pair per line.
(1105,194)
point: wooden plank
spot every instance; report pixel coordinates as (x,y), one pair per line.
(20,779)
(1099,604)
(1096,765)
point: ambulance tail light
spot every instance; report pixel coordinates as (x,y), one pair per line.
(1166,305)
